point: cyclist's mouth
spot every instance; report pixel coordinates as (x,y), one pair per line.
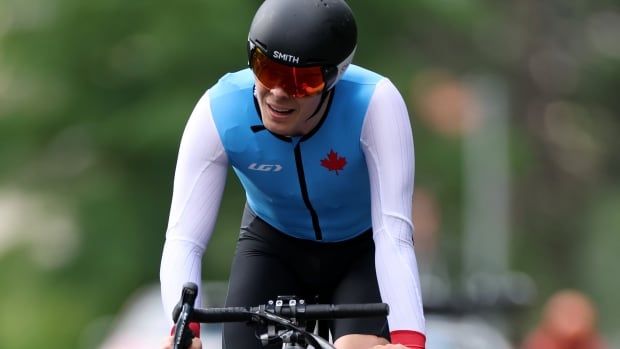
(278,111)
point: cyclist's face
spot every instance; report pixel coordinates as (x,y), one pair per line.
(285,115)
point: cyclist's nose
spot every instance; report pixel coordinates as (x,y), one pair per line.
(279,92)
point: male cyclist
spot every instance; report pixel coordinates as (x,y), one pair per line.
(324,151)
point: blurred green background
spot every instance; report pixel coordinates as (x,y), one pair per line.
(514,104)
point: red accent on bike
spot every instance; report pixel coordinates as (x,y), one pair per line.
(410,339)
(193,326)
(333,162)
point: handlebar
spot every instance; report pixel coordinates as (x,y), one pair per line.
(307,312)
(286,312)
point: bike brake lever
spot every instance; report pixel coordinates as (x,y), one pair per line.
(182,335)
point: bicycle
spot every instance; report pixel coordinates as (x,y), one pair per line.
(284,319)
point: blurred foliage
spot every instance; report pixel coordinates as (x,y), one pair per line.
(94,97)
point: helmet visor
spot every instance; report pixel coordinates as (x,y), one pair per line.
(297,82)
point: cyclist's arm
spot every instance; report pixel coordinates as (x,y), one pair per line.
(199,181)
(387,142)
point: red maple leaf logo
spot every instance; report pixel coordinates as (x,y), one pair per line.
(333,162)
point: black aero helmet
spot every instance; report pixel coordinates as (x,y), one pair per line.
(304,33)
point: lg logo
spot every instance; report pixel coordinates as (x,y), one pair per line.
(265,167)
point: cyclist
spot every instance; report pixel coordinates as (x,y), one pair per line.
(324,151)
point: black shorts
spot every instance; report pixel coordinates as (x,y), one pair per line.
(268,263)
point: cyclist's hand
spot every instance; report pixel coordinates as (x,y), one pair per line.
(196,343)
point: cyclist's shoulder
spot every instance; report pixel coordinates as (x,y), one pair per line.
(359,75)
(232,82)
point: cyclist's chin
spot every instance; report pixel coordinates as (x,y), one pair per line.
(281,126)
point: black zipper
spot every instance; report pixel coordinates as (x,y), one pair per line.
(304,193)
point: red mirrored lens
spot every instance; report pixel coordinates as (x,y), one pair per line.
(295,81)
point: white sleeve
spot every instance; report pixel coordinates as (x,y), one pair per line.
(199,182)
(387,142)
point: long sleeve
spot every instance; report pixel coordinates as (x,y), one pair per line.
(199,182)
(387,143)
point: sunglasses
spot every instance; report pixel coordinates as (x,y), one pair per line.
(297,82)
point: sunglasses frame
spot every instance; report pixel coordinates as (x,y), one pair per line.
(328,73)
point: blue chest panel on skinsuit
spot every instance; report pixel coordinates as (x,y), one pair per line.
(314,188)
